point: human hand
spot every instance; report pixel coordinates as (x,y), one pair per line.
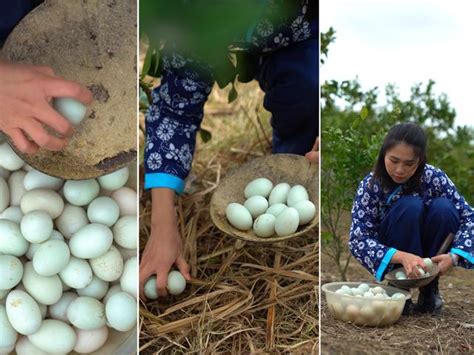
(164,247)
(410,263)
(313,155)
(444,262)
(25,95)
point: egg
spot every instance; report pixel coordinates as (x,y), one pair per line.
(400,275)
(264,225)
(287,222)
(356,291)
(91,340)
(23,312)
(121,311)
(428,263)
(97,288)
(276,209)
(54,336)
(239,216)
(12,241)
(368,294)
(81,192)
(379,308)
(346,288)
(103,210)
(337,309)
(43,200)
(176,283)
(77,273)
(11,270)
(4,173)
(59,309)
(279,193)
(398,296)
(150,288)
(51,257)
(91,241)
(71,109)
(36,226)
(342,291)
(13,214)
(297,194)
(44,289)
(71,220)
(125,232)
(258,187)
(9,160)
(17,188)
(421,271)
(115,180)
(256,205)
(35,179)
(363,287)
(9,334)
(128,280)
(306,211)
(108,266)
(379,296)
(352,312)
(25,347)
(367,313)
(4,195)
(126,199)
(112,291)
(377,290)
(86,313)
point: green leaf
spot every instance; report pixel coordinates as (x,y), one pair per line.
(232,94)
(364,113)
(206,136)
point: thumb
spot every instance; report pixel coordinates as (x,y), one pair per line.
(183,267)
(437,258)
(313,156)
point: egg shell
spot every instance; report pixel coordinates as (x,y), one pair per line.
(379,296)
(126,199)
(287,222)
(112,291)
(377,290)
(25,347)
(12,213)
(44,289)
(43,200)
(96,289)
(71,109)
(91,340)
(86,313)
(398,296)
(176,283)
(71,220)
(103,210)
(239,216)
(35,179)
(23,312)
(4,173)
(125,232)
(128,280)
(11,271)
(279,193)
(357,291)
(367,314)
(364,287)
(4,195)
(306,211)
(421,271)
(91,241)
(51,257)
(9,334)
(59,309)
(276,209)
(347,288)
(258,187)
(109,266)
(9,160)
(81,192)
(342,291)
(256,205)
(264,225)
(368,294)
(150,288)
(54,336)
(77,273)
(400,275)
(12,241)
(428,263)
(297,194)
(115,180)
(352,312)
(36,226)
(121,311)
(17,187)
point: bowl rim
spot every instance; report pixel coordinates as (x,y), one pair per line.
(325,288)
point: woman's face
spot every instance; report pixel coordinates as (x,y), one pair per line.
(401,162)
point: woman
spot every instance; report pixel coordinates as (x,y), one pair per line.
(403,211)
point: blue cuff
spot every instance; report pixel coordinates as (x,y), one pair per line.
(385,261)
(463,254)
(154,180)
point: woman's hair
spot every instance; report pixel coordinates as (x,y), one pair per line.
(415,137)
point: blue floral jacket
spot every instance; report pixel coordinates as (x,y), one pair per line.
(177,109)
(369,210)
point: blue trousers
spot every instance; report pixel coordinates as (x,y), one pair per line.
(289,78)
(11,12)
(411,227)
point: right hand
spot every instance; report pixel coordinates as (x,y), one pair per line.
(410,263)
(25,95)
(164,247)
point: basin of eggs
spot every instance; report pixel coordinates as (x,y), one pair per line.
(401,275)
(68,260)
(365,305)
(271,209)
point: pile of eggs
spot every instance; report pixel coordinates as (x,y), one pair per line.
(175,285)
(365,305)
(68,259)
(269,209)
(401,275)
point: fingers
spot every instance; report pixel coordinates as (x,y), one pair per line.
(42,138)
(183,267)
(437,258)
(142,278)
(53,119)
(313,156)
(316,144)
(161,281)
(67,88)
(21,142)
(43,69)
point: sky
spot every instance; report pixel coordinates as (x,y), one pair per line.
(404,42)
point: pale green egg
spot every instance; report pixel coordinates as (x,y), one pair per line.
(71,109)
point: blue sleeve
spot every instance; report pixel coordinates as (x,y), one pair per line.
(173,120)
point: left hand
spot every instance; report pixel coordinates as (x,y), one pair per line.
(444,262)
(313,155)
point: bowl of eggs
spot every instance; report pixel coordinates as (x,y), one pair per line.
(269,199)
(399,278)
(365,304)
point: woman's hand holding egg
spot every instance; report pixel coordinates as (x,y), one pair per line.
(414,265)
(444,262)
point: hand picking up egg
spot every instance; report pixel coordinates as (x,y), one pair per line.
(175,285)
(401,275)
(67,260)
(270,209)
